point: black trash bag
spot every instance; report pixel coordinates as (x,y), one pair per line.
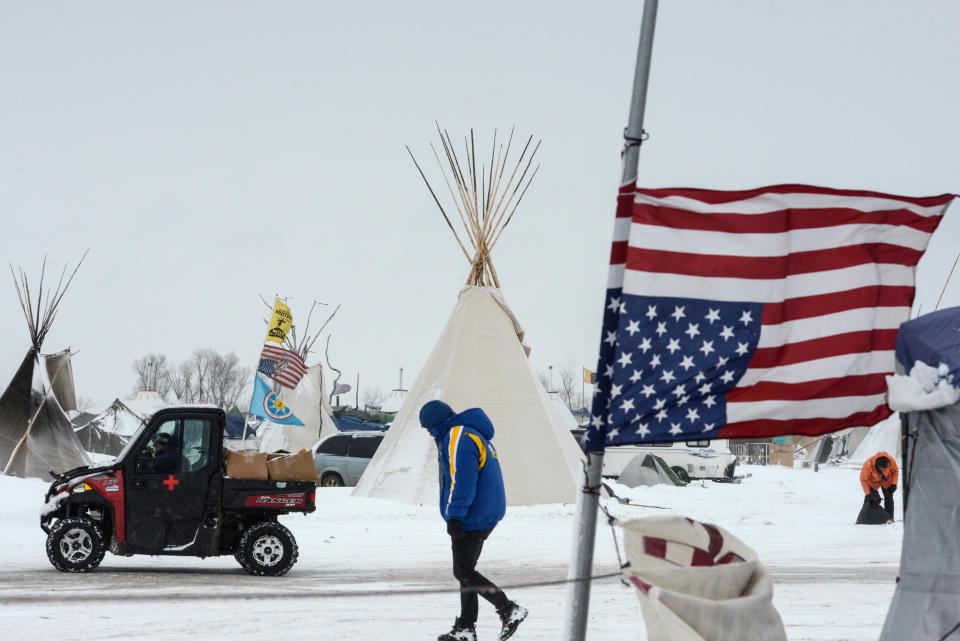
(871,513)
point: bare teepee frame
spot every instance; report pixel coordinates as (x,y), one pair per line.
(40,317)
(485,206)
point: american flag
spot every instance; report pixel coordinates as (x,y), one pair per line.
(754,313)
(282,365)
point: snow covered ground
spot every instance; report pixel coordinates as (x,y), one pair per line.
(834,579)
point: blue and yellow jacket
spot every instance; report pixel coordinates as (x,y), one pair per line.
(471,483)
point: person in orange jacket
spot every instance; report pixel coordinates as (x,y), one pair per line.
(880,473)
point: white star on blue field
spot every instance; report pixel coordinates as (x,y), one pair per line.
(666,366)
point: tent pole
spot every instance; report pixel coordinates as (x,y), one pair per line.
(581,563)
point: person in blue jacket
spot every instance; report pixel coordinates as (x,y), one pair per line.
(472,502)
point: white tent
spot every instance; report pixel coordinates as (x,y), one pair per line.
(109,431)
(309,403)
(394,401)
(36,435)
(882,437)
(479,361)
(565,414)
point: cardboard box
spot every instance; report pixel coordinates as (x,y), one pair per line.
(292,467)
(246,465)
(781,454)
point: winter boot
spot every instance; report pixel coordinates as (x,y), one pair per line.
(511,615)
(460,632)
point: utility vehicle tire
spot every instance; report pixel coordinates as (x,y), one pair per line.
(681,473)
(76,544)
(267,549)
(331,479)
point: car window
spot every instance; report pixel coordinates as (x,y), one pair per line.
(196,444)
(364,446)
(161,454)
(698,443)
(335,445)
(660,444)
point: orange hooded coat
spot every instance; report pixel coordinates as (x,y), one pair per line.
(869,477)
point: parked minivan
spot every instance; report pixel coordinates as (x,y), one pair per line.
(341,458)
(688,459)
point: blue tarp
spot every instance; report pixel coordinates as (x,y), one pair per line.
(234,427)
(933,339)
(348,423)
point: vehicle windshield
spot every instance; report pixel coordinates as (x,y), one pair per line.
(133,439)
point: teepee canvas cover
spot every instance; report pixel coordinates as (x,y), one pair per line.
(309,403)
(51,443)
(36,436)
(926,603)
(479,361)
(109,431)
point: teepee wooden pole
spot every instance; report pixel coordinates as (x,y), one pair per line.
(436,200)
(947,282)
(456,203)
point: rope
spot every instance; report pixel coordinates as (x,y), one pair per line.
(125,597)
(612,521)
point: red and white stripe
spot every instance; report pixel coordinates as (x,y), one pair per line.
(834,269)
(292,367)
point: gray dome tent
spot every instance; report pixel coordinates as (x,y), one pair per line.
(648,469)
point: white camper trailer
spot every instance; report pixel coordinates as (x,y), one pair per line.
(688,459)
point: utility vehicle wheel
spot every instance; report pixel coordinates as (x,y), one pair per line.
(75,544)
(267,549)
(331,479)
(681,474)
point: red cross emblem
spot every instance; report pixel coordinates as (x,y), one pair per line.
(171,482)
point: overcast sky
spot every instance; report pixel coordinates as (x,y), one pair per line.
(208,152)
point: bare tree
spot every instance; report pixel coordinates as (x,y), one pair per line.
(569,388)
(183,383)
(373,396)
(220,379)
(152,374)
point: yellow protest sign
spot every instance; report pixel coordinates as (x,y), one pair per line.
(279,323)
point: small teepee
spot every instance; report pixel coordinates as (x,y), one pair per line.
(36,435)
(480,359)
(308,400)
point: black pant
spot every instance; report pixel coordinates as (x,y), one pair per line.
(466,553)
(888,501)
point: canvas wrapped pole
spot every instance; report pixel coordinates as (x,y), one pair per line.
(581,563)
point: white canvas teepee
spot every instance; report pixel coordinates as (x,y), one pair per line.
(309,403)
(394,401)
(480,361)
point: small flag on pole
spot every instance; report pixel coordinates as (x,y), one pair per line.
(754,313)
(282,365)
(589,376)
(266,404)
(280,323)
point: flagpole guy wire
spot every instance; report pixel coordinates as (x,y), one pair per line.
(588,500)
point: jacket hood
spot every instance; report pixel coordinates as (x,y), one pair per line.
(473,417)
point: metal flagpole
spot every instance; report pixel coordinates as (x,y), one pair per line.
(581,563)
